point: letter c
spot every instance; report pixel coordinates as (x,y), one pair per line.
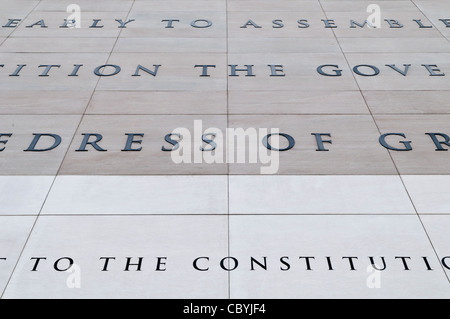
(196,266)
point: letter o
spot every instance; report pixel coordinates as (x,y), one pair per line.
(444,263)
(97,70)
(271,148)
(63,258)
(195,23)
(374,68)
(222,263)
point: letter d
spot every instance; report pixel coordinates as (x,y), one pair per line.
(37,137)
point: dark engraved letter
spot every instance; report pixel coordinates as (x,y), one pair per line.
(289,138)
(201,23)
(308,263)
(434,137)
(56,267)
(170,23)
(138,264)
(99,70)
(253,261)
(250,22)
(85,142)
(48,68)
(276,70)
(404,261)
(320,141)
(204,69)
(124,24)
(433,69)
(196,265)
(375,266)
(421,25)
(107,259)
(140,67)
(329,23)
(38,259)
(337,72)
(4,141)
(389,147)
(37,137)
(394,24)
(376,71)
(131,141)
(17,71)
(234,69)
(12,23)
(402,72)
(350,260)
(168,139)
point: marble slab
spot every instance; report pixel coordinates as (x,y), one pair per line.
(428,193)
(14,232)
(337,237)
(138,195)
(180,240)
(436,227)
(318,195)
(23,195)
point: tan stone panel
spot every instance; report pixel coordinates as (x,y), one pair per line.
(29,78)
(410,28)
(158,102)
(5,32)
(179,45)
(14,161)
(361,6)
(177,72)
(291,29)
(417,78)
(300,70)
(433,6)
(279,6)
(151,160)
(170,6)
(399,45)
(354,149)
(12,9)
(407,102)
(54,20)
(60,45)
(150,25)
(435,16)
(297,102)
(283,45)
(18,6)
(27,102)
(86,5)
(423,159)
